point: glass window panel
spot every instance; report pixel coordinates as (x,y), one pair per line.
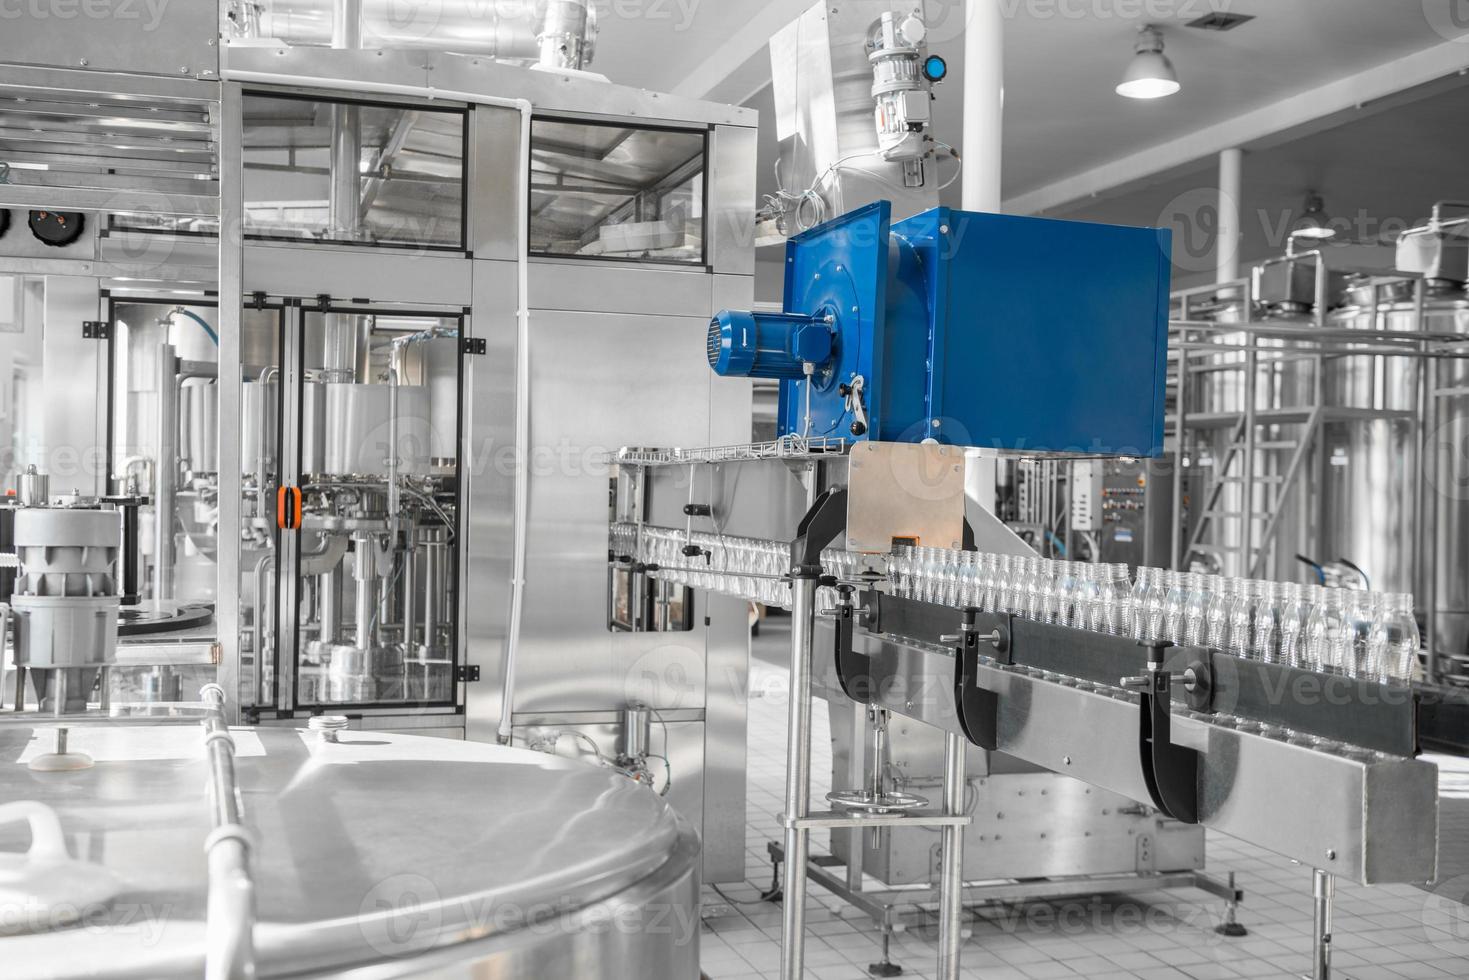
(616,192)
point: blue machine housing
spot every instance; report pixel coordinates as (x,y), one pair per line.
(988,330)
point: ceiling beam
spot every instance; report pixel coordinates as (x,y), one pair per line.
(731,59)
(1294,116)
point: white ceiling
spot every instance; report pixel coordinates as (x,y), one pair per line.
(1062,58)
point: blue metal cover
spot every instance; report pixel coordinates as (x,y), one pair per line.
(1043,335)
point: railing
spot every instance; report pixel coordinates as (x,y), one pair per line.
(230,923)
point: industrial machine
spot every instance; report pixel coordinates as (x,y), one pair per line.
(319,339)
(922,622)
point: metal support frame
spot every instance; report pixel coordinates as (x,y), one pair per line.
(1323,892)
(897,909)
(824,521)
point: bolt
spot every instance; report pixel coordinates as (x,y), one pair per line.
(1331,854)
(84,62)
(1067,760)
(943,229)
(937,423)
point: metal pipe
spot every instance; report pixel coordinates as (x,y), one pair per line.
(329,603)
(230,910)
(1323,890)
(365,600)
(984,104)
(1180,453)
(798,775)
(166,476)
(410,594)
(395,491)
(262,454)
(1247,517)
(951,875)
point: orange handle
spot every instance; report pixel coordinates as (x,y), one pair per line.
(288,508)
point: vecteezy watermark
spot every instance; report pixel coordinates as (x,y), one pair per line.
(1445,916)
(149,13)
(405,914)
(1449,19)
(948,19)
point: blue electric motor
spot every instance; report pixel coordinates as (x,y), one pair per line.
(768,345)
(990,330)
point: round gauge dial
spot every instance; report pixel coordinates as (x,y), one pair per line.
(57,228)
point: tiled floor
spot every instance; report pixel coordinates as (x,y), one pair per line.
(1383,933)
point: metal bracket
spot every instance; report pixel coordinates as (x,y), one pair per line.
(1170,771)
(826,519)
(257,299)
(473,346)
(978,709)
(323,302)
(854,669)
(467,674)
(96,330)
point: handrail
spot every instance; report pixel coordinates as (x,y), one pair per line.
(230,915)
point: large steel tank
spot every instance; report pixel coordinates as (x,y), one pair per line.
(375,855)
(1448,490)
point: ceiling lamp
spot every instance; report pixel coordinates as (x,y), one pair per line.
(1314,222)
(1150,74)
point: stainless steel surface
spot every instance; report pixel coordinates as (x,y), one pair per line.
(555,847)
(904,491)
(112,142)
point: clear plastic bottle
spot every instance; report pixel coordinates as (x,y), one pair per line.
(950,573)
(1295,611)
(1395,639)
(1005,573)
(1354,635)
(1155,607)
(1035,589)
(1137,626)
(1321,629)
(1195,610)
(1216,615)
(988,573)
(1113,593)
(1174,604)
(1265,628)
(1241,608)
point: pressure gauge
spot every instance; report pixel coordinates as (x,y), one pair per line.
(57,228)
(935,69)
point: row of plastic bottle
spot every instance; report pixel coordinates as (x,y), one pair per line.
(1361,634)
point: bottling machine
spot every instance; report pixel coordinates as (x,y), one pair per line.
(309,314)
(1133,732)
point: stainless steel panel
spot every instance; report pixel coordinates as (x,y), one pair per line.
(403,277)
(74,386)
(727,668)
(1363,816)
(489,470)
(177,39)
(731,217)
(618,287)
(580,407)
(494,162)
(903,490)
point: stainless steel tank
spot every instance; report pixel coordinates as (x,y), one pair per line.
(375,855)
(1449,491)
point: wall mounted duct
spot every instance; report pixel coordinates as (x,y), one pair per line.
(554,34)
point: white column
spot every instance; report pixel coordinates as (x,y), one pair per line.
(1227,241)
(984,105)
(984,101)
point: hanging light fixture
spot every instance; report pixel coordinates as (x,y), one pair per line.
(1150,74)
(1314,222)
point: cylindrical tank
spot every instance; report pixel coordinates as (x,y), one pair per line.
(66,600)
(352,422)
(1449,492)
(561,869)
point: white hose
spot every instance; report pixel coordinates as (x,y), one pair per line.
(522,340)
